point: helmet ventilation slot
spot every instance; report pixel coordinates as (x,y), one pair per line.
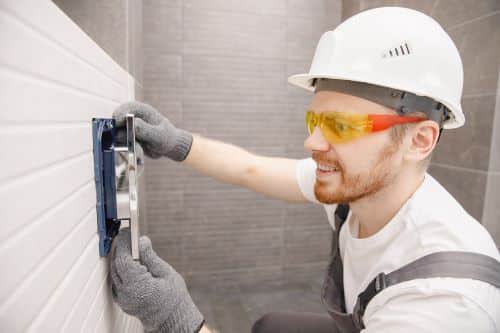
(398,51)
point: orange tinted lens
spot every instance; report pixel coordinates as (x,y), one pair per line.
(339,127)
(325,122)
(311,121)
(331,128)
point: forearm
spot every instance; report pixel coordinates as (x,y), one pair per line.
(222,161)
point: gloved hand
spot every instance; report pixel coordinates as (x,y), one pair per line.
(151,289)
(156,134)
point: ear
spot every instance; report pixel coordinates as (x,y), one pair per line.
(422,141)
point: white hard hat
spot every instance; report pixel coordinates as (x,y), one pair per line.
(392,47)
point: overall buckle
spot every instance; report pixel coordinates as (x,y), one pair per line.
(380,282)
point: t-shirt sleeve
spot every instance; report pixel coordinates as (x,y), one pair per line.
(306,177)
(428,311)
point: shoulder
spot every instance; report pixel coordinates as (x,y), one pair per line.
(435,305)
(442,224)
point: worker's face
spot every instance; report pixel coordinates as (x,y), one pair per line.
(366,165)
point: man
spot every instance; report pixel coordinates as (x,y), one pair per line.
(409,258)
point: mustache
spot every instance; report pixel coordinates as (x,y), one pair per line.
(323,160)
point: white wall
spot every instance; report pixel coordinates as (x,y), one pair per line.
(53,80)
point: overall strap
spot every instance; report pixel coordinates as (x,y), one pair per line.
(454,264)
(341,213)
(336,268)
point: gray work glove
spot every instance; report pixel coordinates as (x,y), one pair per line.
(156,134)
(151,289)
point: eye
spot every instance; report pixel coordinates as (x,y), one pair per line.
(314,121)
(341,127)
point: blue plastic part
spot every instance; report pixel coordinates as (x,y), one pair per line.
(104,133)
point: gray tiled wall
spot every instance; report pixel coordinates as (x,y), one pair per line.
(466,160)
(219,68)
(115,25)
(491,212)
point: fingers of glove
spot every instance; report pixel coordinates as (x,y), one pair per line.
(157,266)
(121,140)
(133,296)
(127,269)
(139,110)
(115,278)
(120,113)
(122,241)
(121,136)
(116,282)
(145,298)
(144,132)
(114,294)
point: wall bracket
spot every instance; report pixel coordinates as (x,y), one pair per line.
(116,179)
(108,224)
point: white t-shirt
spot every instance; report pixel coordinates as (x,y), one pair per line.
(430,221)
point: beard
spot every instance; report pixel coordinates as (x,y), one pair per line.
(356,186)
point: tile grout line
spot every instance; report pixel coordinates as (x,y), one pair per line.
(459,25)
(448,166)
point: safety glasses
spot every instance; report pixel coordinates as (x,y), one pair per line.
(339,127)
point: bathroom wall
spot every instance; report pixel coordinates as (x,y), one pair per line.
(491,211)
(467,160)
(219,68)
(116,26)
(53,79)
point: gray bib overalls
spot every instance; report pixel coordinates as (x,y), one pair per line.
(440,264)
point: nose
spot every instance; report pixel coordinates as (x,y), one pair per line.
(316,141)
